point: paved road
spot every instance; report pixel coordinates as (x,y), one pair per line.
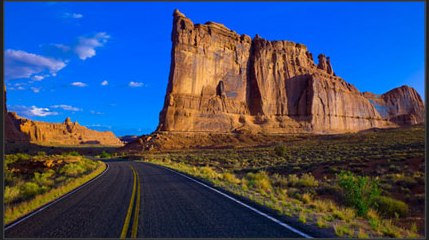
(96,210)
(174,206)
(170,206)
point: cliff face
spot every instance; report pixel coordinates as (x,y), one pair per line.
(12,134)
(66,133)
(402,105)
(221,81)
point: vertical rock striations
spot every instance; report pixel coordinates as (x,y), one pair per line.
(221,81)
(402,105)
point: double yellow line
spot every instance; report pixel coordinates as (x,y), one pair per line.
(134,198)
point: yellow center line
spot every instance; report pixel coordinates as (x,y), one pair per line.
(130,207)
(136,210)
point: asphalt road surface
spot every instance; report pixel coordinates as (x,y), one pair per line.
(171,206)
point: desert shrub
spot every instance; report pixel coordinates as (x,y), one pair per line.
(359,192)
(306,198)
(390,207)
(342,230)
(231,178)
(307,180)
(362,234)
(292,180)
(72,153)
(209,172)
(302,217)
(280,150)
(279,181)
(30,189)
(373,219)
(105,154)
(44,179)
(321,223)
(260,181)
(72,170)
(11,194)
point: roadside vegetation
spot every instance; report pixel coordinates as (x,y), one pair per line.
(369,184)
(34,180)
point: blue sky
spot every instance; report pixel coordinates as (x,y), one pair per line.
(106,65)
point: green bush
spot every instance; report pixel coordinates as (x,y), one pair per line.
(72,170)
(105,154)
(359,192)
(11,194)
(30,189)
(44,179)
(390,207)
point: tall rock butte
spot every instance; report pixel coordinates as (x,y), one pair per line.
(223,82)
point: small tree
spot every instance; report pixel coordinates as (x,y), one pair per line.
(360,192)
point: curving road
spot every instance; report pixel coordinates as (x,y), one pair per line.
(170,206)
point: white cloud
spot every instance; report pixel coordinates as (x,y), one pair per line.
(62,47)
(32,111)
(67,107)
(79,84)
(135,84)
(86,47)
(38,77)
(21,64)
(73,15)
(95,112)
(35,90)
(104,83)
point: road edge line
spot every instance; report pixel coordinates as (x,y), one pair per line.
(34,212)
(244,205)
(130,207)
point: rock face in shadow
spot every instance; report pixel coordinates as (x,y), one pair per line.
(66,133)
(222,82)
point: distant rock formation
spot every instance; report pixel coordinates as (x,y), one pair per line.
(12,134)
(223,82)
(402,105)
(66,133)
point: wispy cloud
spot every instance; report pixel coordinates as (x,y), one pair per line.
(135,84)
(104,83)
(32,111)
(96,113)
(62,47)
(38,78)
(67,107)
(79,84)
(87,45)
(21,64)
(72,15)
(35,89)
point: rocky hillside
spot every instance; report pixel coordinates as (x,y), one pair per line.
(66,133)
(221,81)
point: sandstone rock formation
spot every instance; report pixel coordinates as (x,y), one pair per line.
(12,134)
(223,82)
(402,105)
(66,133)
